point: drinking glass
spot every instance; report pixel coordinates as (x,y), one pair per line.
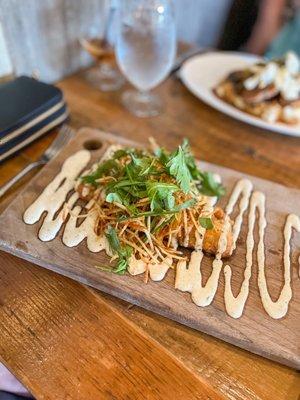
(106,75)
(145,50)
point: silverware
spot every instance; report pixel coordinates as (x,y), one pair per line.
(64,135)
(185,56)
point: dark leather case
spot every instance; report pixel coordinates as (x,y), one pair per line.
(28,109)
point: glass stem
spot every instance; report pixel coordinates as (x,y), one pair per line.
(144,96)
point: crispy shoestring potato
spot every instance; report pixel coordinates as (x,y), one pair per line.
(149,201)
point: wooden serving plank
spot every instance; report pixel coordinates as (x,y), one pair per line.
(254,331)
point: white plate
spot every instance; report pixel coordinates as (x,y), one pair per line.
(202,73)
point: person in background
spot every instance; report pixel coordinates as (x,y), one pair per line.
(263,27)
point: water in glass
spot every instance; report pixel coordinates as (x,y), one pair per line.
(145,49)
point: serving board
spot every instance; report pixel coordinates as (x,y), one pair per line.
(255,331)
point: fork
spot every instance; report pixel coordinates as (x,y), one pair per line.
(64,135)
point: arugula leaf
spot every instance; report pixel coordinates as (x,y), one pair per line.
(186,204)
(123,252)
(145,175)
(176,209)
(147,168)
(121,153)
(209,186)
(161,195)
(137,189)
(206,222)
(141,164)
(113,198)
(179,169)
(102,169)
(113,240)
(162,155)
(130,172)
(190,160)
(170,201)
(155,227)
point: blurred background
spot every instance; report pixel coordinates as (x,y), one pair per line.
(137,39)
(43,35)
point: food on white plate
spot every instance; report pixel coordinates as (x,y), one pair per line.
(269,90)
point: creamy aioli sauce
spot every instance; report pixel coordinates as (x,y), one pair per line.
(74,235)
(157,272)
(188,278)
(54,196)
(135,266)
(242,188)
(276,309)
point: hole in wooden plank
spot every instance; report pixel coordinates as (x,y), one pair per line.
(92,144)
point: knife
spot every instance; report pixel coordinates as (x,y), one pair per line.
(185,56)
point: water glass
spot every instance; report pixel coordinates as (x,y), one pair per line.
(145,50)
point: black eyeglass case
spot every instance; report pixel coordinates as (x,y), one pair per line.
(28,109)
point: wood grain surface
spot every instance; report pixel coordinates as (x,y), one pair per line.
(277,340)
(237,374)
(123,363)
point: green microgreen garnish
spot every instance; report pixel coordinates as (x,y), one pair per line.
(145,192)
(145,167)
(161,195)
(113,198)
(209,186)
(178,168)
(176,209)
(109,167)
(206,222)
(122,251)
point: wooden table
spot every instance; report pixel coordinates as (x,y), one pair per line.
(66,341)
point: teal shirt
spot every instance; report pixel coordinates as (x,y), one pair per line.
(288,39)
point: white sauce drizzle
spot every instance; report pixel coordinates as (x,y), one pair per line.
(54,195)
(135,266)
(74,235)
(276,309)
(235,305)
(157,272)
(243,187)
(188,279)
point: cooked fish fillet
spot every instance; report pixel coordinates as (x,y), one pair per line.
(211,237)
